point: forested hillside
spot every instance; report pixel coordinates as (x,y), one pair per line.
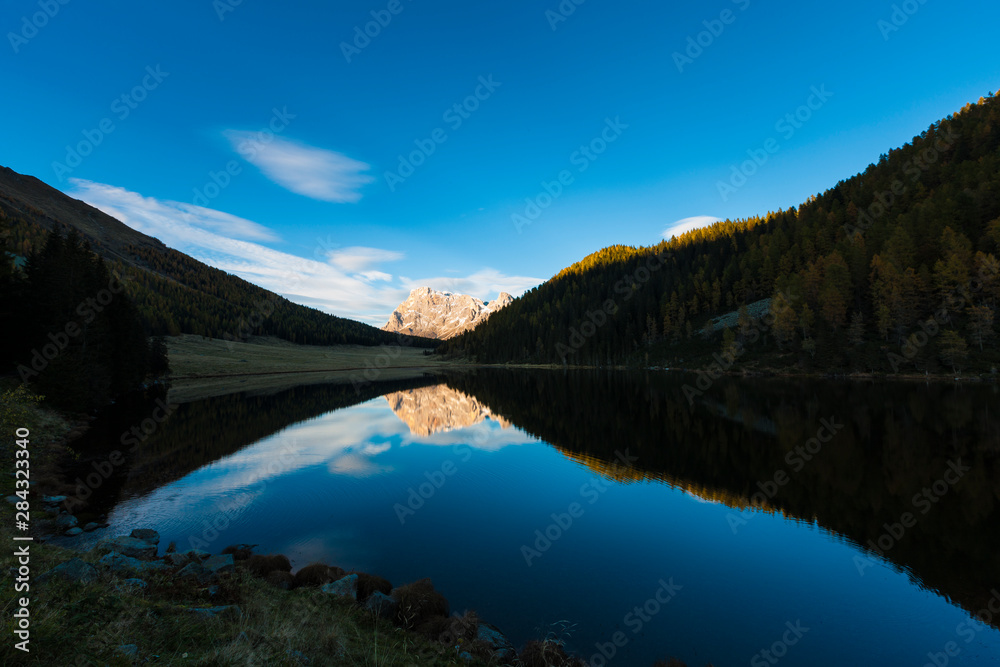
(893,270)
(173,292)
(70,332)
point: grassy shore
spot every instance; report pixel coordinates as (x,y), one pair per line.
(204,367)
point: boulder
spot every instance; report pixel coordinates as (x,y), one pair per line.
(120,563)
(146,535)
(498,642)
(53,500)
(177,560)
(129,546)
(92,526)
(74,570)
(382,605)
(66,521)
(132,585)
(344,587)
(219,564)
(197,571)
(172,547)
(73,532)
(13,500)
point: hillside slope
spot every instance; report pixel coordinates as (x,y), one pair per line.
(174,292)
(892,270)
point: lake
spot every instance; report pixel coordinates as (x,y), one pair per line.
(753,521)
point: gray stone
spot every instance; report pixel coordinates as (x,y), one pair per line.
(92,526)
(129,546)
(119,563)
(219,564)
(498,642)
(53,500)
(216,612)
(65,521)
(128,650)
(177,559)
(196,571)
(73,532)
(346,586)
(146,535)
(130,585)
(74,570)
(198,554)
(382,605)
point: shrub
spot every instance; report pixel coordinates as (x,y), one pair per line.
(547,653)
(281,579)
(261,566)
(369,583)
(419,603)
(317,574)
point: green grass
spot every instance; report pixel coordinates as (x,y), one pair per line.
(83,624)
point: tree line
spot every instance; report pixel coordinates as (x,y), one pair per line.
(72,332)
(894,269)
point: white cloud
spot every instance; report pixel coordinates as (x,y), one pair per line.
(348,285)
(360,258)
(687,224)
(306,170)
(484,284)
(170,221)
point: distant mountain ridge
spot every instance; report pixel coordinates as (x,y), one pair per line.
(441,315)
(174,292)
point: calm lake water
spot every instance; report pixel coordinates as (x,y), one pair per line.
(587,504)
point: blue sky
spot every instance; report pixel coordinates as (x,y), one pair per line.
(573,130)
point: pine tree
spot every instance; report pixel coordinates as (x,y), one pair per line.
(856,332)
(953,349)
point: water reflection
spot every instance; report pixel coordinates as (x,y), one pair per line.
(666,489)
(437,408)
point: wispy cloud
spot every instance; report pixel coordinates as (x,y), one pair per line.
(360,258)
(687,224)
(348,282)
(485,284)
(170,221)
(306,170)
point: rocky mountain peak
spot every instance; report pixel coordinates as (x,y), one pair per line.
(441,315)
